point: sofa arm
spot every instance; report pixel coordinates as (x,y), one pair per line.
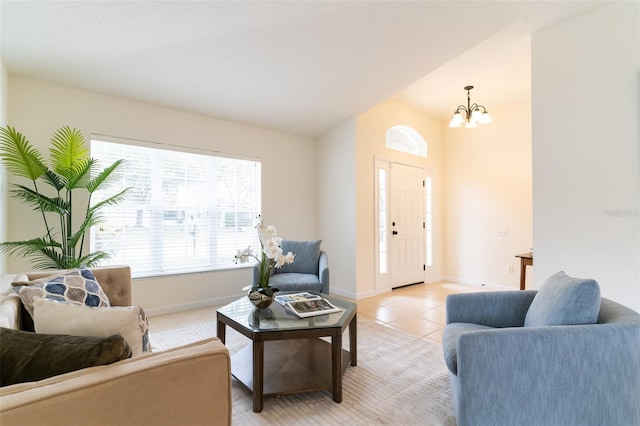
(564,375)
(186,385)
(10,312)
(323,272)
(493,309)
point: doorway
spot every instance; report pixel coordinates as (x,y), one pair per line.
(404,221)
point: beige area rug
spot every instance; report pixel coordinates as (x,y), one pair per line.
(399,380)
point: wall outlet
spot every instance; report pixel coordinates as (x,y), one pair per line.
(502,233)
(510,269)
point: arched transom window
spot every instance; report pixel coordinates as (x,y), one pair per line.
(406,139)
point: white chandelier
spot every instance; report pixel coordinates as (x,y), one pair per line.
(474,114)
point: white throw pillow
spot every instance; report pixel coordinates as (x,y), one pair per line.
(52,317)
(5,283)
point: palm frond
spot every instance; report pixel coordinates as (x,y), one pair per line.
(19,156)
(39,201)
(48,258)
(113,200)
(28,247)
(91,259)
(108,175)
(90,220)
(55,180)
(79,176)
(68,152)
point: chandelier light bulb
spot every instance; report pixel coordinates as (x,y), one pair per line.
(485,118)
(456,120)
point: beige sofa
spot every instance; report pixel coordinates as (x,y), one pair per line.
(188,385)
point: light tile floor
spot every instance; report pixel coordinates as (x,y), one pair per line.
(417,310)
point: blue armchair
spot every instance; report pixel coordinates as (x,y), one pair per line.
(507,368)
(308,272)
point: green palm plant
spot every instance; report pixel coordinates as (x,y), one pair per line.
(71,170)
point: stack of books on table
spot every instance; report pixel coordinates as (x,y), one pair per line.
(306,304)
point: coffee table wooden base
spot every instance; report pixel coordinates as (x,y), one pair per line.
(290,366)
(286,353)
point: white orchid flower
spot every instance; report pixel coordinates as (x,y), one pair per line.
(271,256)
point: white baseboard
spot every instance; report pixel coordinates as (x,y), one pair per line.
(358,296)
(476,283)
(346,294)
(169,309)
(370,293)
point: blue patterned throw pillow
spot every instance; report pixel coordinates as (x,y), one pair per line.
(78,287)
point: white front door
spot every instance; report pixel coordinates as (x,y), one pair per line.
(407,224)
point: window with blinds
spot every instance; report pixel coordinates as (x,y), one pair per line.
(185,211)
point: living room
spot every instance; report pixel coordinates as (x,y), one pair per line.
(341,161)
(561,172)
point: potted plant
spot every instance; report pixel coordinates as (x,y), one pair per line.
(271,257)
(51,195)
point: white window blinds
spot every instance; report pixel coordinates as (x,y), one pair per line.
(185,211)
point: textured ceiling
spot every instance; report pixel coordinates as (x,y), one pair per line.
(300,67)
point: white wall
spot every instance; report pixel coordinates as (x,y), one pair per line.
(586,155)
(487,187)
(346,193)
(4,119)
(335,157)
(371,131)
(37,109)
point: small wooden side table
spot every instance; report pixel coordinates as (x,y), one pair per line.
(525,259)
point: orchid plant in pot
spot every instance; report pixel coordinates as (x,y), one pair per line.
(271,256)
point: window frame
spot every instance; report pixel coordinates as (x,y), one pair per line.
(406,139)
(215,219)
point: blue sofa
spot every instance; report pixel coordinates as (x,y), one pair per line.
(308,272)
(507,369)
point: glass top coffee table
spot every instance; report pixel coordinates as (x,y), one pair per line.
(286,354)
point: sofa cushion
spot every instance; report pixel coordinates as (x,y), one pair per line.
(64,318)
(29,357)
(450,341)
(564,300)
(295,282)
(306,260)
(78,286)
